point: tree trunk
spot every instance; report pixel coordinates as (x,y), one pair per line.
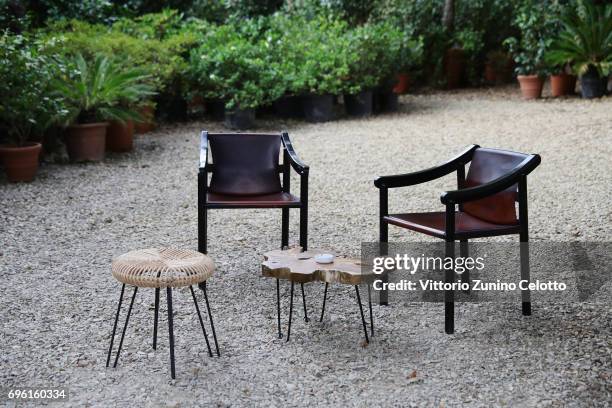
(448,15)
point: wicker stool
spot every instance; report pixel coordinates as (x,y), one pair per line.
(162,268)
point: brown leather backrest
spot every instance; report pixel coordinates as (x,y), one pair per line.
(486,166)
(245,164)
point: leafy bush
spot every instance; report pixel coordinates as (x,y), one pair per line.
(313,53)
(230,67)
(586,40)
(27,103)
(374,55)
(100,91)
(163,59)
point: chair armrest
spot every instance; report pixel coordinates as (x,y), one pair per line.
(298,165)
(418,177)
(494,186)
(203,150)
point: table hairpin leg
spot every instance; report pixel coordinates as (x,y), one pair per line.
(278,311)
(127,319)
(304,302)
(212,324)
(365,329)
(324,299)
(290,312)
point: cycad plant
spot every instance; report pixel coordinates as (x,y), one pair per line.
(585,41)
(101,91)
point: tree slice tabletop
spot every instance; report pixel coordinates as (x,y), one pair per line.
(301,267)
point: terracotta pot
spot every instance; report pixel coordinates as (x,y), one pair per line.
(531,86)
(20,162)
(403,84)
(148,113)
(490,74)
(455,67)
(120,136)
(562,84)
(86,142)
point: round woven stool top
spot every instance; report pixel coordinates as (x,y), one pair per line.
(162,267)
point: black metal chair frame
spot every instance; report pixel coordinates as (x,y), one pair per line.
(456,198)
(170,324)
(290,160)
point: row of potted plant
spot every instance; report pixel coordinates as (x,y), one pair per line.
(85,98)
(299,65)
(580,47)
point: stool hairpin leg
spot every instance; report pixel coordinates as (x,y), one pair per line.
(110,349)
(324,299)
(170,330)
(212,325)
(195,302)
(365,329)
(290,311)
(155,318)
(278,311)
(304,302)
(127,319)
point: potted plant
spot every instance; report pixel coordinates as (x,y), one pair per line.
(410,58)
(231,67)
(529,48)
(585,42)
(95,93)
(320,54)
(498,67)
(27,106)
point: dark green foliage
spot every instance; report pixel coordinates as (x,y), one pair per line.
(28,105)
(585,41)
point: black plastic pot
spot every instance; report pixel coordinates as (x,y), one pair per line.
(240,119)
(289,107)
(318,108)
(359,104)
(592,85)
(216,109)
(385,100)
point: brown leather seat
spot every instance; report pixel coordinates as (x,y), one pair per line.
(466,225)
(274,200)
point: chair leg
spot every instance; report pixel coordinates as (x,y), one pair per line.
(290,312)
(449,295)
(278,311)
(212,324)
(285,228)
(304,227)
(203,239)
(324,299)
(384,238)
(170,331)
(525,294)
(464,252)
(195,302)
(304,303)
(127,319)
(110,349)
(365,329)
(155,318)
(371,315)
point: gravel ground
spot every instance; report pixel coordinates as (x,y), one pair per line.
(59,234)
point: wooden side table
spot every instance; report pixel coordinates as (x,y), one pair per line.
(300,267)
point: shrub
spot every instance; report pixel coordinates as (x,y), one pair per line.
(374,55)
(100,91)
(27,104)
(232,68)
(585,41)
(163,59)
